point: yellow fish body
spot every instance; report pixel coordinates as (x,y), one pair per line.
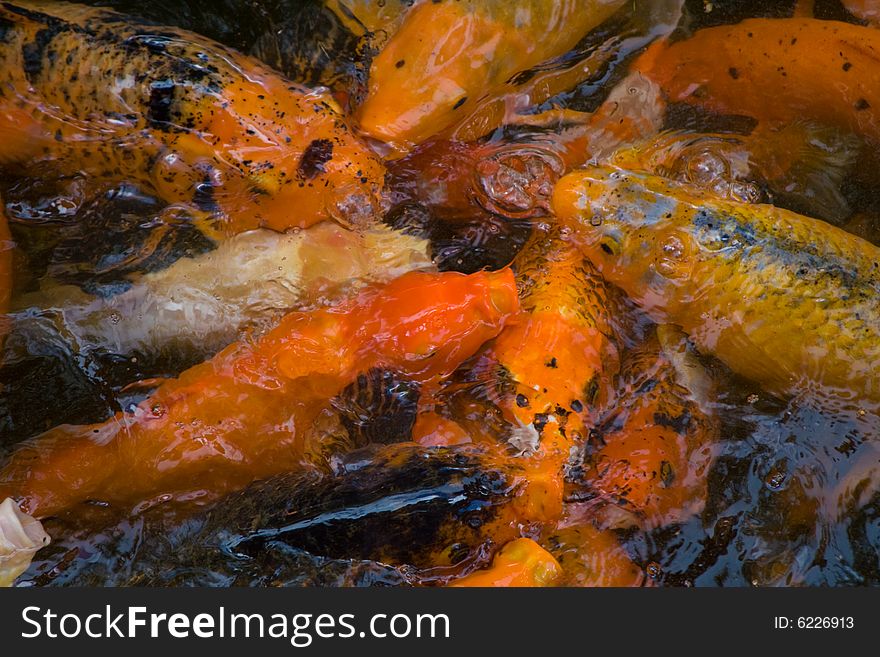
(785,300)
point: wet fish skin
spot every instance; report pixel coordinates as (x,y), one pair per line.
(90,90)
(559,354)
(447,56)
(402,514)
(650,451)
(242,414)
(521,563)
(785,300)
(406,505)
(199,305)
(776,70)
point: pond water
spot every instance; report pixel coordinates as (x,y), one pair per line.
(397,475)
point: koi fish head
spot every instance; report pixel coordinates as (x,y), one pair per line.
(429,75)
(287,158)
(638,237)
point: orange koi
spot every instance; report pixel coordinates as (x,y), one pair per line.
(551,367)
(776,71)
(87,90)
(656,443)
(448,58)
(521,563)
(592,557)
(240,415)
(558,355)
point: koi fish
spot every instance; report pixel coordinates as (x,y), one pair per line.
(865,10)
(776,71)
(655,445)
(197,306)
(592,557)
(550,367)
(801,165)
(430,508)
(785,300)
(240,415)
(558,356)
(89,90)
(521,563)
(447,58)
(406,514)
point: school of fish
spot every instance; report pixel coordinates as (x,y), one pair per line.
(493,275)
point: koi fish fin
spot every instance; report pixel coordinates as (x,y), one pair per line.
(21,135)
(21,536)
(689,371)
(820,158)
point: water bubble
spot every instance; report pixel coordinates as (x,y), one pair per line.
(707,168)
(654,570)
(775,480)
(596,220)
(517,182)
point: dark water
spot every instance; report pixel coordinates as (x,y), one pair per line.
(791,496)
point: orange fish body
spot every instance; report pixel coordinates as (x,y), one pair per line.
(777,70)
(449,57)
(558,353)
(203,126)
(551,366)
(656,443)
(592,557)
(520,563)
(237,417)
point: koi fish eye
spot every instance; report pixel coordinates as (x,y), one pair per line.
(611,242)
(609,246)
